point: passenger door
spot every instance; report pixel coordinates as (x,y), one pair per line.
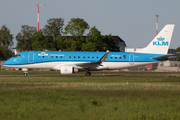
(31,57)
(131,58)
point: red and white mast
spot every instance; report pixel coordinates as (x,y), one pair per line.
(157,24)
(38,14)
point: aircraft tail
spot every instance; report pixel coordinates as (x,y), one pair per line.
(160,44)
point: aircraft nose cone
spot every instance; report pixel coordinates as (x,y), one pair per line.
(6,63)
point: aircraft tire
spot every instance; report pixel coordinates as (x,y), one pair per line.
(25,74)
(88,73)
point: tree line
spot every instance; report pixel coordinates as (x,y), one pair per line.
(71,38)
(56,36)
(6,42)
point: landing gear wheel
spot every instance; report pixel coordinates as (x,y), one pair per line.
(88,74)
(25,74)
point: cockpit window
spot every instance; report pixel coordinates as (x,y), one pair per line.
(17,56)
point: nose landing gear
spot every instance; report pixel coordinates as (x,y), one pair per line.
(25,72)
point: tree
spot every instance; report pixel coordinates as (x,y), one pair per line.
(178,58)
(93,41)
(40,42)
(177,49)
(70,45)
(6,42)
(109,43)
(76,27)
(24,41)
(60,43)
(97,42)
(54,27)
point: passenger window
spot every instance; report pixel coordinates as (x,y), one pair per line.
(93,57)
(84,57)
(56,56)
(119,57)
(47,56)
(61,57)
(78,56)
(111,57)
(115,57)
(69,56)
(43,56)
(38,56)
(74,56)
(97,57)
(65,56)
(88,56)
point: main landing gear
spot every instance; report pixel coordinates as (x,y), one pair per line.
(88,73)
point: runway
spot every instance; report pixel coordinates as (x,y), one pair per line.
(83,76)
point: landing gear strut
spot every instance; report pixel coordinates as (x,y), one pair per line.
(88,73)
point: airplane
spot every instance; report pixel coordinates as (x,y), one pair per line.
(69,62)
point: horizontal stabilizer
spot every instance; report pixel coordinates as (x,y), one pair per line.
(164,56)
(172,57)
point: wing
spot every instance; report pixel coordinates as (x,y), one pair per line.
(85,65)
(93,64)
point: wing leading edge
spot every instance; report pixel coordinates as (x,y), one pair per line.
(90,64)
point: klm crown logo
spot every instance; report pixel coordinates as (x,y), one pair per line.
(160,39)
(160,42)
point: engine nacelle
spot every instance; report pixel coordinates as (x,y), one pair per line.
(68,70)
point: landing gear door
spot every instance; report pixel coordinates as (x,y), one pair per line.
(131,58)
(31,57)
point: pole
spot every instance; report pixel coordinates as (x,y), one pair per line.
(38,18)
(38,14)
(157,24)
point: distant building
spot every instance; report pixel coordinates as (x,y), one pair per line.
(173,51)
(120,43)
(132,49)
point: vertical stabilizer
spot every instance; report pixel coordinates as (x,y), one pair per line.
(160,44)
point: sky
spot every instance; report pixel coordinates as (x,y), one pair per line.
(132,20)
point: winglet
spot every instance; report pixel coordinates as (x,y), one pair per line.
(103,59)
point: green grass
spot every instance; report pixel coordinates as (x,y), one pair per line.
(91,98)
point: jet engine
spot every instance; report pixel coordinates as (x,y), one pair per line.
(68,70)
